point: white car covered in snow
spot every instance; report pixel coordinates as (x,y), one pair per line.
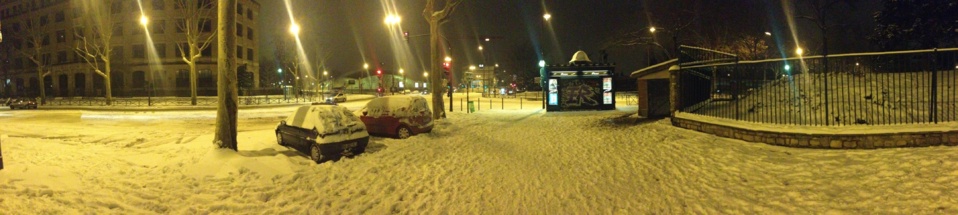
(324,132)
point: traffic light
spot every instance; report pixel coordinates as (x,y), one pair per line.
(379,73)
(405,35)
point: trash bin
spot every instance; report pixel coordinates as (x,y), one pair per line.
(472,107)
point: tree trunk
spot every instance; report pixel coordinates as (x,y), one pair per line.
(108,84)
(438,106)
(43,90)
(226,93)
(192,65)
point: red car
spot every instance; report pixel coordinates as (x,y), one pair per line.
(397,116)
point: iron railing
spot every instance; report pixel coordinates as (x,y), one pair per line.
(908,87)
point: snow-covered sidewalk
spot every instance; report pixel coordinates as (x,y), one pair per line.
(490,162)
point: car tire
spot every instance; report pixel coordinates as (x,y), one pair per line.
(315,153)
(279,139)
(403,132)
(361,146)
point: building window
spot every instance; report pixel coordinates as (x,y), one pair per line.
(249,14)
(208,51)
(249,33)
(159,5)
(78,32)
(59,16)
(239,8)
(183,79)
(206,25)
(46,40)
(180,25)
(44,19)
(136,29)
(205,79)
(116,7)
(239,30)
(139,79)
(117,29)
(161,50)
(61,36)
(239,52)
(62,57)
(249,54)
(139,52)
(116,79)
(45,59)
(118,53)
(159,27)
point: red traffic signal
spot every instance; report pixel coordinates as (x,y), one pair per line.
(379,72)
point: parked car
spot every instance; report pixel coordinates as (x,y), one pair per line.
(335,98)
(324,132)
(23,103)
(398,116)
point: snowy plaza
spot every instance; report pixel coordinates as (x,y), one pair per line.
(512,161)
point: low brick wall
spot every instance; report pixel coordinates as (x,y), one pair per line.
(825,141)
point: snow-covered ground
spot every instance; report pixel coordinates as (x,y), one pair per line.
(491,162)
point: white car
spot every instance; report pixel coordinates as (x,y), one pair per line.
(324,132)
(339,97)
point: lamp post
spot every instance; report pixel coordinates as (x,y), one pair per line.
(365,68)
(322,85)
(403,73)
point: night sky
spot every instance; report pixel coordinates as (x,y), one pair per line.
(354,30)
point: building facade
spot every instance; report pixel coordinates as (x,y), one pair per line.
(146,59)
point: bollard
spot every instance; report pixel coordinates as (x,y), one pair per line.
(1,153)
(520,104)
(490,104)
(460,104)
(503,102)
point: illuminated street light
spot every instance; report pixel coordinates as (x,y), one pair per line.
(799,51)
(547,16)
(393,19)
(651,29)
(480,48)
(401,71)
(365,66)
(768,33)
(487,39)
(325,73)
(472,67)
(448,59)
(425,74)
(144,20)
(542,63)
(294,29)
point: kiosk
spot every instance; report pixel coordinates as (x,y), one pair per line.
(580,85)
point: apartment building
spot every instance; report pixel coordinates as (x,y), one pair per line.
(146,59)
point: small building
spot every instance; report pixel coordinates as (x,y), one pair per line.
(653,89)
(579,85)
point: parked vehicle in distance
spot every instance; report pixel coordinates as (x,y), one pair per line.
(23,103)
(335,98)
(398,116)
(324,132)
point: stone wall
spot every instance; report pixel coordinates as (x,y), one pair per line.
(824,141)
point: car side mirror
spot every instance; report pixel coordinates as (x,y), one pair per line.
(364,113)
(282,122)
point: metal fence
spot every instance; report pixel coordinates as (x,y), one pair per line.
(907,87)
(177,101)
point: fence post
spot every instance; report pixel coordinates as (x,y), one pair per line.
(503,102)
(933,116)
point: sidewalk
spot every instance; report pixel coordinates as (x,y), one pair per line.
(205,105)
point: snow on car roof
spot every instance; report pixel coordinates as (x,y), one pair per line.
(401,105)
(325,118)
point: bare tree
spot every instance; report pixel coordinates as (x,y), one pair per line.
(35,40)
(436,19)
(289,60)
(97,51)
(194,25)
(226,89)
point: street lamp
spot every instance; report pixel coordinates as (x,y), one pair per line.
(393,19)
(144,20)
(799,51)
(652,30)
(547,16)
(480,48)
(294,29)
(768,33)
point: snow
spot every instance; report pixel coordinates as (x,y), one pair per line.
(332,122)
(507,160)
(848,129)
(396,106)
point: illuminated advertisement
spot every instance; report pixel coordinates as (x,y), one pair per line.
(553,92)
(607,90)
(581,94)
